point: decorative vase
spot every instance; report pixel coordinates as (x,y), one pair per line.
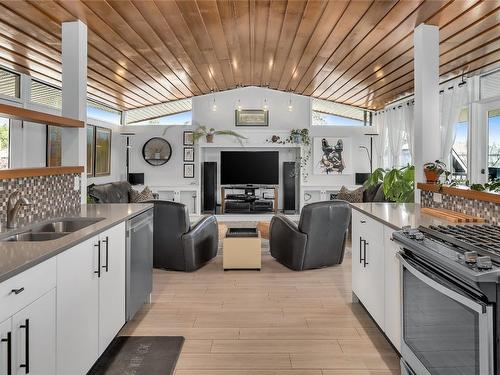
(296,138)
(431,175)
(210,138)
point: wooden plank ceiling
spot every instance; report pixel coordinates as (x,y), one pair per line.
(144,52)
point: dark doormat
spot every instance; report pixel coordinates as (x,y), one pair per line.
(139,355)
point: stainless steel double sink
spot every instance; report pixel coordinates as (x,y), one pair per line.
(51,230)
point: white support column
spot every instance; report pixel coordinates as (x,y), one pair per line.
(74,95)
(427,135)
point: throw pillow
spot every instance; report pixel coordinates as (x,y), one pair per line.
(145,195)
(355,196)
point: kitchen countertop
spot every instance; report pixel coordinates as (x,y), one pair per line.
(397,215)
(16,257)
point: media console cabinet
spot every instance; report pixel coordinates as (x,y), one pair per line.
(243,199)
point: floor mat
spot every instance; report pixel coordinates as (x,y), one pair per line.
(140,355)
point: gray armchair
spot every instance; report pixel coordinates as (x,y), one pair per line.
(319,239)
(178,246)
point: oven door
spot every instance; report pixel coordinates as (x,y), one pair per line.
(445,329)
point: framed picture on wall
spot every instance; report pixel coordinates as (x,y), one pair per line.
(188,170)
(189,154)
(54,146)
(188,138)
(90,150)
(102,165)
(251,117)
(332,155)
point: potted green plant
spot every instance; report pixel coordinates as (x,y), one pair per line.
(209,134)
(299,136)
(433,170)
(398,183)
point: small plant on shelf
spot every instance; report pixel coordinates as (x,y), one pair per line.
(209,134)
(434,170)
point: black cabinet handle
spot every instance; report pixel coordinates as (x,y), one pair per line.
(360,249)
(364,258)
(106,266)
(98,245)
(362,221)
(17,291)
(362,252)
(8,340)
(26,364)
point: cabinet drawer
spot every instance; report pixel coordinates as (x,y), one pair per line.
(36,281)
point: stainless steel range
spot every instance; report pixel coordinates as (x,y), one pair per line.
(450,293)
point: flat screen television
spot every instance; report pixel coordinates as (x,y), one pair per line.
(249,167)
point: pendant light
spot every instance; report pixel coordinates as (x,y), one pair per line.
(238,105)
(214,105)
(290,105)
(265,106)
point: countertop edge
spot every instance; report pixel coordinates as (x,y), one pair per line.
(62,248)
(373,216)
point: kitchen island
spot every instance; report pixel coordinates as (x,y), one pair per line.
(375,267)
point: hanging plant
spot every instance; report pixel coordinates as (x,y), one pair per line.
(301,137)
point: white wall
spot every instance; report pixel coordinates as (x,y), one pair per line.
(252,98)
(169,174)
(280,122)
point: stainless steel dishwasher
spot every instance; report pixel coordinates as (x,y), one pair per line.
(139,257)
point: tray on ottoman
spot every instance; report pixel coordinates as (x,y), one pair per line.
(242,232)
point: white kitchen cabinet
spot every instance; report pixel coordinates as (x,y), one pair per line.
(34,337)
(91,299)
(358,227)
(392,290)
(77,308)
(370,265)
(111,285)
(376,273)
(5,346)
(28,328)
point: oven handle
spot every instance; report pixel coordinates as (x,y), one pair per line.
(477,306)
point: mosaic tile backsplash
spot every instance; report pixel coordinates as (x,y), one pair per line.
(49,196)
(488,210)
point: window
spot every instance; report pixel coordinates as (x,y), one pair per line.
(327,113)
(46,95)
(171,113)
(459,151)
(494,143)
(9,84)
(183,118)
(104,113)
(4,142)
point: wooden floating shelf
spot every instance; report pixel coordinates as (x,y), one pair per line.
(32,172)
(461,192)
(24,114)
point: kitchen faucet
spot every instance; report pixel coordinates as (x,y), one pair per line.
(14,203)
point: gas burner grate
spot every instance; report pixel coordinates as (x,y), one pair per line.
(486,237)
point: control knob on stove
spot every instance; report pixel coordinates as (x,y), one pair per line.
(470,257)
(484,263)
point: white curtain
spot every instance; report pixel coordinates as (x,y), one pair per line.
(452,101)
(380,140)
(408,110)
(395,131)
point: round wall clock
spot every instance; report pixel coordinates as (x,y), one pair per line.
(157,151)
